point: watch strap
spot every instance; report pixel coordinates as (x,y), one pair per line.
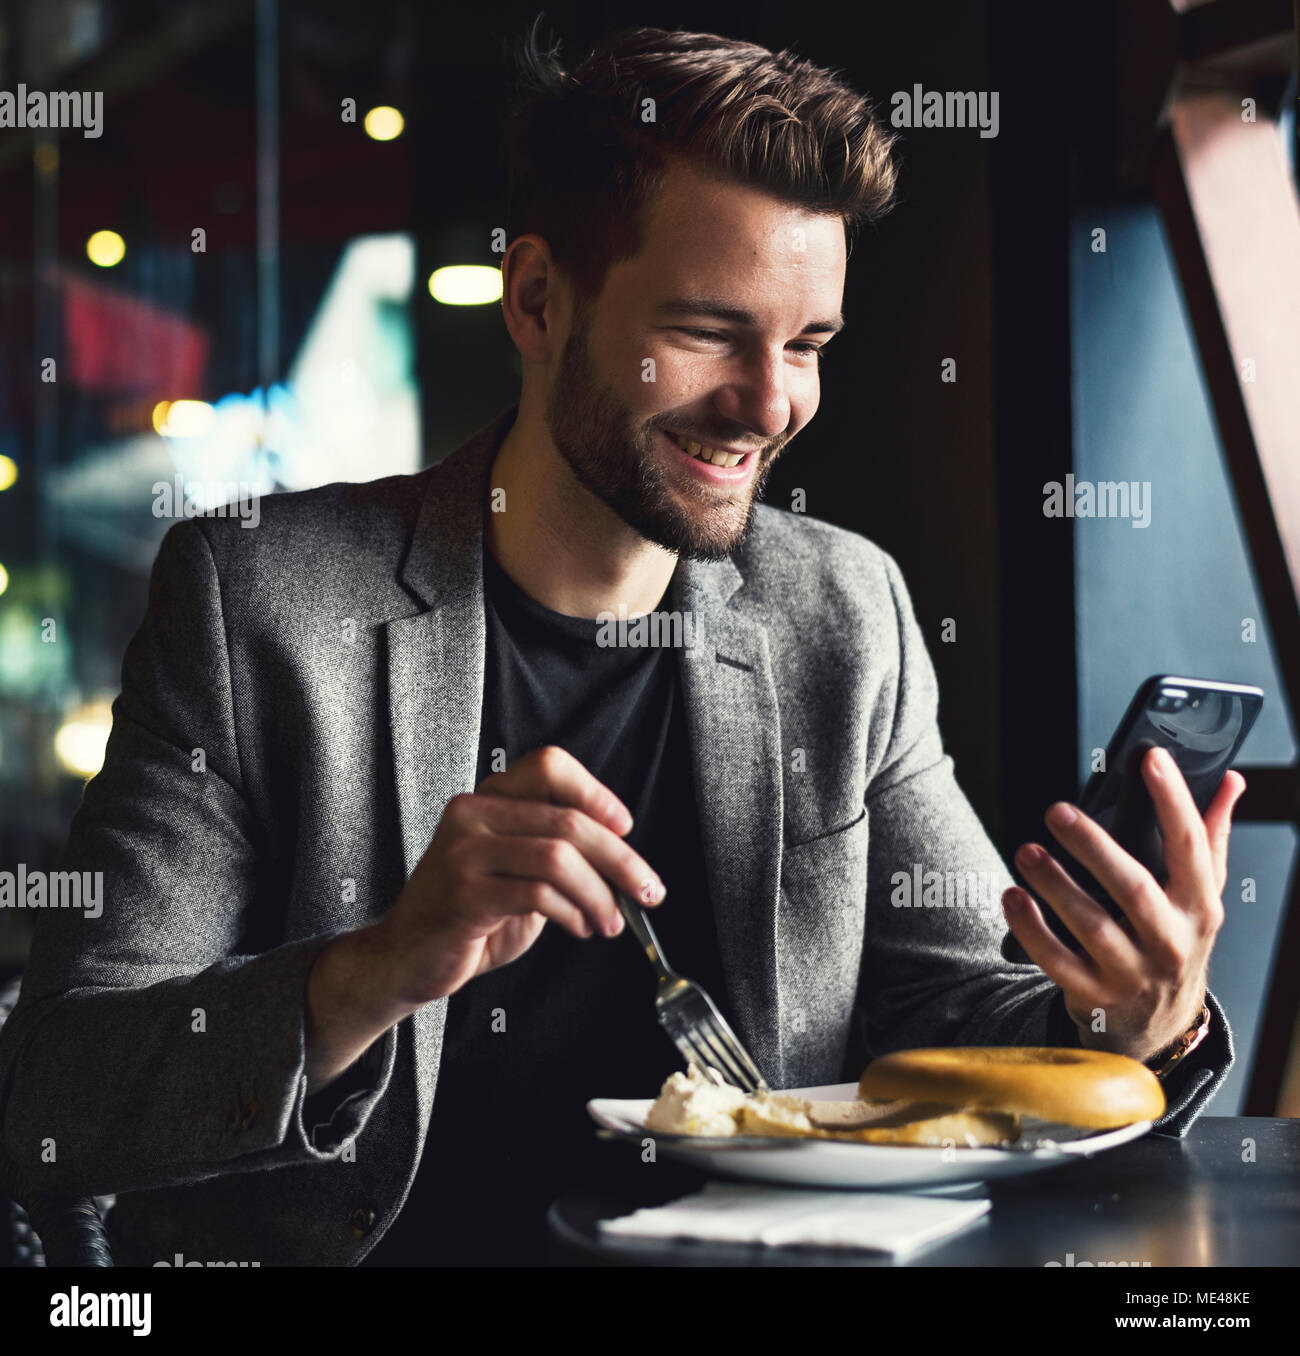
(1184,1045)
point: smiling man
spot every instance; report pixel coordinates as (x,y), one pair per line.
(355,979)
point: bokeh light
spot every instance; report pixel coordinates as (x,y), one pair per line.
(384,123)
(465,285)
(105,248)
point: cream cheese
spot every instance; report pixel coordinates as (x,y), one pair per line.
(690,1104)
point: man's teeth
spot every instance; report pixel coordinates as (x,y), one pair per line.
(714,455)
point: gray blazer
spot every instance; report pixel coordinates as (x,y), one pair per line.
(300,702)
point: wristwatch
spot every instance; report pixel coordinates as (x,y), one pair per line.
(1183,1046)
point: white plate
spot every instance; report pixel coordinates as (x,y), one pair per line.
(829,1163)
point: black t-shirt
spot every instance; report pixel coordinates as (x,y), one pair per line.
(528,1044)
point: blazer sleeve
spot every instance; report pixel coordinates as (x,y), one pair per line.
(152,1045)
(933,972)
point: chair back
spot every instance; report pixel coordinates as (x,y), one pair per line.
(67,1231)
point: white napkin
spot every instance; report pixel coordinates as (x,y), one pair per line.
(728,1212)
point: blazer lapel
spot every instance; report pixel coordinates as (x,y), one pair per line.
(435,678)
(735,736)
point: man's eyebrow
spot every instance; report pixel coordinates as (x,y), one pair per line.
(720,310)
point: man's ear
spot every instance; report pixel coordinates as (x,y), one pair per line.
(529,287)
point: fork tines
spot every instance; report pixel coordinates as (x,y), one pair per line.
(703,1036)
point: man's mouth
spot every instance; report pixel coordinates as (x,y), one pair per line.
(715,456)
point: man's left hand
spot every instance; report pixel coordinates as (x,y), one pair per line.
(1147,972)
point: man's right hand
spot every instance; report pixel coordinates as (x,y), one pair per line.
(541,840)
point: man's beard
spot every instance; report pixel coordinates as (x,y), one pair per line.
(624,468)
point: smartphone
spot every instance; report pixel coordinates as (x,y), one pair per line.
(1202,724)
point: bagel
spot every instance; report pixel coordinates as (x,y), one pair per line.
(1073,1087)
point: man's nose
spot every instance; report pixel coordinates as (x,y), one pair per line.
(757,397)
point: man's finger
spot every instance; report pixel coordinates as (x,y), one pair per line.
(559,864)
(1218,822)
(516,896)
(1124,879)
(610,856)
(555,775)
(1187,847)
(1101,937)
(1070,972)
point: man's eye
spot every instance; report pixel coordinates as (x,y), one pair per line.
(811,348)
(815,349)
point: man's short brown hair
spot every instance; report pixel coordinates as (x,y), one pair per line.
(586,149)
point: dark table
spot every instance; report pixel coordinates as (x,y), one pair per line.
(1228,1195)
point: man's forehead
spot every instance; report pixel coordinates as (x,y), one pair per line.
(714,211)
(730,244)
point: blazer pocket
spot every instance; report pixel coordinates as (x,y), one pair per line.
(826,876)
(797,837)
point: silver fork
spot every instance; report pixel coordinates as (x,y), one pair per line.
(689,1016)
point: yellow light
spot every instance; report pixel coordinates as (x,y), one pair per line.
(105,248)
(160,416)
(79,743)
(465,285)
(4,579)
(8,472)
(384,123)
(184,418)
